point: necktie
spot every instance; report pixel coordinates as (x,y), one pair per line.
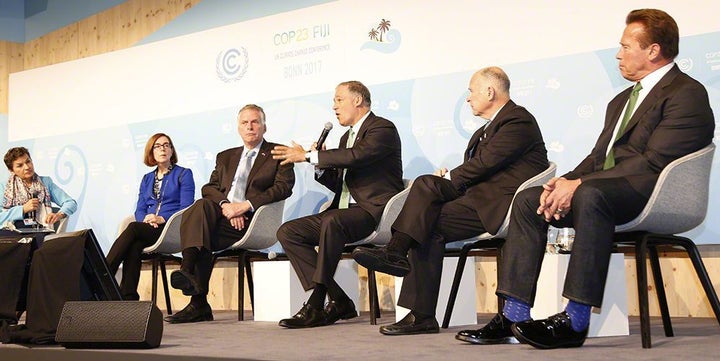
(610,159)
(241,183)
(345,194)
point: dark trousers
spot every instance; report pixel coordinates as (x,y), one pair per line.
(330,230)
(434,213)
(204,226)
(597,206)
(16,253)
(127,250)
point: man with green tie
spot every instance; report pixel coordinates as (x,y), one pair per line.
(364,172)
(663,116)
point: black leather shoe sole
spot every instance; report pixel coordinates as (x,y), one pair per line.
(345,316)
(194,318)
(372,262)
(391,331)
(290,323)
(488,341)
(186,282)
(558,343)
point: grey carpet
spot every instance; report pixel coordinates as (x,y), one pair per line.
(226,338)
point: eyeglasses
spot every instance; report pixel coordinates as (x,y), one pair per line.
(162,146)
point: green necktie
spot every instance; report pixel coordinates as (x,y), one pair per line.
(345,194)
(610,159)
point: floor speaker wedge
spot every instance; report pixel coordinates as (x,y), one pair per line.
(110,324)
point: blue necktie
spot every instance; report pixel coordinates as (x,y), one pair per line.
(241,183)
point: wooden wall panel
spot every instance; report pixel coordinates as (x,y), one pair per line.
(11,60)
(117,28)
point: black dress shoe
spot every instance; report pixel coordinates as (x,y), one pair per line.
(335,311)
(409,325)
(308,316)
(191,313)
(382,260)
(187,282)
(497,331)
(554,332)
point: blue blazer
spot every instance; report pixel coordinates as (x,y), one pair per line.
(177,192)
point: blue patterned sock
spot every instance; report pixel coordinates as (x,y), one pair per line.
(579,315)
(516,310)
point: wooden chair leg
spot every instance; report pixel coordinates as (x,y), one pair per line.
(642,285)
(462,259)
(660,289)
(166,288)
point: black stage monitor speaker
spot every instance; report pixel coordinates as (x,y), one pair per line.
(110,324)
(96,282)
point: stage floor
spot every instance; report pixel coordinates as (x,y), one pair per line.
(226,338)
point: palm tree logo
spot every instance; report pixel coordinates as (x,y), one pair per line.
(377,33)
(373,34)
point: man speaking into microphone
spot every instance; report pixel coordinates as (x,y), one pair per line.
(365,171)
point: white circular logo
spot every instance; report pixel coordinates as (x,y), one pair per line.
(685,64)
(585,111)
(231,64)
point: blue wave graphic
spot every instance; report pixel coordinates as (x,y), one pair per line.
(389,45)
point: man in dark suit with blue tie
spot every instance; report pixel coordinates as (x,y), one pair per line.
(662,117)
(469,200)
(244,179)
(364,172)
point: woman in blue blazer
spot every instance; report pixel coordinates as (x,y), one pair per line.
(164,191)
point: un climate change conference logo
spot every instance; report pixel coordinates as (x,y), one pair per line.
(232,64)
(685,64)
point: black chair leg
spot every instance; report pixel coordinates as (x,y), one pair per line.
(462,259)
(241,286)
(153,296)
(660,289)
(703,276)
(373,298)
(500,299)
(251,284)
(166,288)
(642,285)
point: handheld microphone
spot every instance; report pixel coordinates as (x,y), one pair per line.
(324,135)
(32,214)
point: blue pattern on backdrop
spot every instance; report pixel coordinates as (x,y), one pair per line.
(102,168)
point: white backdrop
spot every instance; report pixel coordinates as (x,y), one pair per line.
(86,121)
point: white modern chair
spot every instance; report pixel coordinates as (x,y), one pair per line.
(678,204)
(488,241)
(260,235)
(379,237)
(163,250)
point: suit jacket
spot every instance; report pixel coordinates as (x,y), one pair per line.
(267,182)
(673,120)
(374,165)
(176,192)
(511,152)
